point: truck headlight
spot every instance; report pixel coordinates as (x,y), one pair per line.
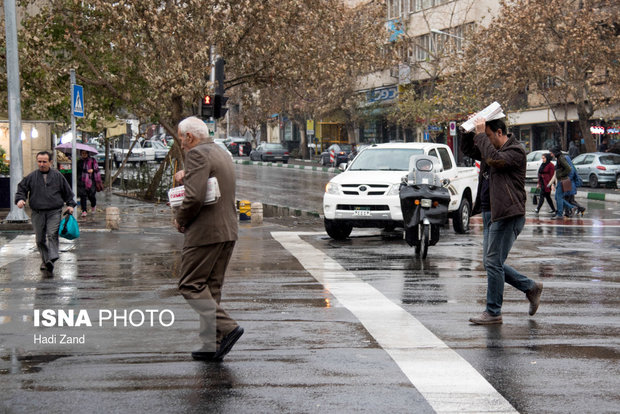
(394,190)
(426,202)
(332,188)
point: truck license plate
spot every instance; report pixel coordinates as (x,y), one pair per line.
(361,211)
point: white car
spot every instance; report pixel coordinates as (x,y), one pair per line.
(366,194)
(534,160)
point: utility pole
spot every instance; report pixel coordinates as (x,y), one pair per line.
(73,150)
(15,118)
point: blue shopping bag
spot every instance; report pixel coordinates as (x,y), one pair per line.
(69,228)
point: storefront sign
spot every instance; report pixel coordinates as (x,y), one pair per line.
(383,94)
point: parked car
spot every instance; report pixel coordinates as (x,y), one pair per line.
(597,168)
(341,154)
(269,151)
(234,143)
(138,154)
(159,149)
(534,159)
(100,157)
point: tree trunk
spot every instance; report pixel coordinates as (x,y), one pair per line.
(303,144)
(585,111)
(175,153)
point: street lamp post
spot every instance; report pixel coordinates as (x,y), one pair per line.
(15,118)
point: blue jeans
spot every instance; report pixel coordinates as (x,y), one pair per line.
(498,239)
(561,202)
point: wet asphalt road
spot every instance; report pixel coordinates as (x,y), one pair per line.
(307,348)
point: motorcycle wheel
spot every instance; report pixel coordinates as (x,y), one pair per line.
(424,240)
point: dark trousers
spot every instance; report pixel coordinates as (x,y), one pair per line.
(202,277)
(91,195)
(541,199)
(45,224)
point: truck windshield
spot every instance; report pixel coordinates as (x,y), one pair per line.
(384,159)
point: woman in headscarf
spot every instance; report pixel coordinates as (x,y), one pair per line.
(89,182)
(545,174)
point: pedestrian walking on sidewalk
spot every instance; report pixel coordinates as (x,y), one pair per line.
(503,194)
(210,235)
(89,181)
(562,171)
(545,174)
(46,190)
(569,196)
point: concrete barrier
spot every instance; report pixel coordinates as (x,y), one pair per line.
(257,213)
(112,218)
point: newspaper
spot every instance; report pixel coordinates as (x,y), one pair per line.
(490,113)
(176,195)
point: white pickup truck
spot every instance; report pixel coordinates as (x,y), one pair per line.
(366,194)
(140,153)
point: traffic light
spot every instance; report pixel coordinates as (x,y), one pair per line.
(206,107)
(219,106)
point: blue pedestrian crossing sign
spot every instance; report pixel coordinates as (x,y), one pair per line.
(77,101)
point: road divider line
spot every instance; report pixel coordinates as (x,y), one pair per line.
(17,248)
(447,381)
(23,245)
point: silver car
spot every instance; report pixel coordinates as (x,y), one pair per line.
(597,168)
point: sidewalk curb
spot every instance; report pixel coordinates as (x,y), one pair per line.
(294,166)
(590,195)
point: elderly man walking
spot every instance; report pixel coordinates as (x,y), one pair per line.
(46,190)
(210,235)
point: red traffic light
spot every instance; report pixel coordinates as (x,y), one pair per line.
(207,100)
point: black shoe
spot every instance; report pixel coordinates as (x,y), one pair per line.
(203,356)
(49,266)
(581,210)
(228,342)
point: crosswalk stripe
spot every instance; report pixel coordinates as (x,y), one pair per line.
(448,382)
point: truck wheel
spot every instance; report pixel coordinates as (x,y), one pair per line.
(460,218)
(336,230)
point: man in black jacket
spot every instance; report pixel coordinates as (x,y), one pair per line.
(47,191)
(501,198)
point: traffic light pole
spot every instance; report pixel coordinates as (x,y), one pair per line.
(212,79)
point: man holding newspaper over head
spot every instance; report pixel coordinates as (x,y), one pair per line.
(210,231)
(501,198)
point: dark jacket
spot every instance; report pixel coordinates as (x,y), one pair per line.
(41,195)
(469,149)
(507,167)
(213,223)
(562,168)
